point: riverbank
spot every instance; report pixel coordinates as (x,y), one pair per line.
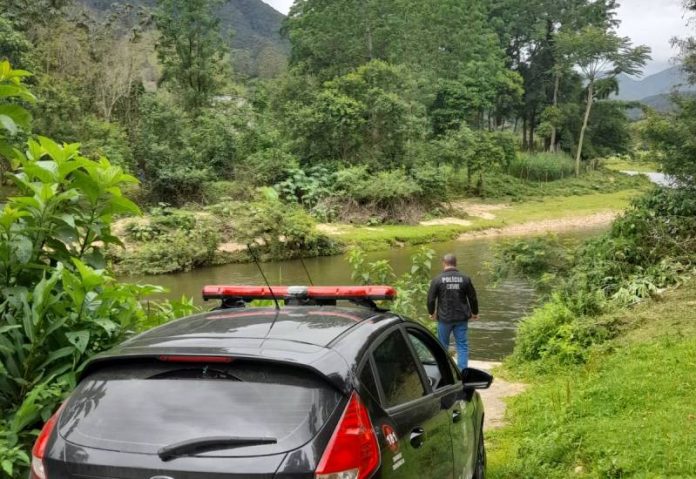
(169,240)
(474,219)
(627,412)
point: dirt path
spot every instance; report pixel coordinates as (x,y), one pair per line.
(494,398)
(545,226)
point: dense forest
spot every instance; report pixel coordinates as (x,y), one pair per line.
(381,111)
(370,112)
(369,90)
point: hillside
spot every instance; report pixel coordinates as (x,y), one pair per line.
(257,47)
(664,82)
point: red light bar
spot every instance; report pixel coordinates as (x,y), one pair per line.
(246,292)
(196,359)
(373,293)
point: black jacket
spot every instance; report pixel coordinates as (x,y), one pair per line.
(454,295)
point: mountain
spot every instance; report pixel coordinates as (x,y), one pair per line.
(662,83)
(257,46)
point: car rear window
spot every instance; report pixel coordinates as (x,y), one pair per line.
(141,408)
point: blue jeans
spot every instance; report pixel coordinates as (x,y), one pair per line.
(460,330)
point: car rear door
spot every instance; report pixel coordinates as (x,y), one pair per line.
(447,386)
(417,430)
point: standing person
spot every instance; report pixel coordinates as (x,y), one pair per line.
(452,302)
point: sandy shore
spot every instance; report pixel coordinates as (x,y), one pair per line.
(494,398)
(545,226)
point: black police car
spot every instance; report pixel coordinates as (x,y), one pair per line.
(309,390)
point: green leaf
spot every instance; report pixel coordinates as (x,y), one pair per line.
(53,149)
(23,249)
(90,278)
(7,467)
(79,339)
(56,355)
(109,326)
(16,91)
(23,456)
(122,205)
(18,114)
(5,329)
(8,124)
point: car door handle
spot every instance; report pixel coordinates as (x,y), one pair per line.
(417,437)
(456,416)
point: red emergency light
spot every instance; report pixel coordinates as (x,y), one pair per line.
(318,293)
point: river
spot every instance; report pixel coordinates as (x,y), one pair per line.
(502,305)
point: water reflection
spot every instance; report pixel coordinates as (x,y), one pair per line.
(502,305)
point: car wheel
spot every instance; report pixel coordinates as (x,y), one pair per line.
(480,471)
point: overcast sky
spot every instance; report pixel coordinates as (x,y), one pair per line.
(647,22)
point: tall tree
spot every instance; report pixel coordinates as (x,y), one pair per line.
(688,45)
(191,49)
(330,38)
(527,30)
(601,55)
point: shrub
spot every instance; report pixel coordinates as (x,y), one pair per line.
(651,247)
(139,231)
(266,166)
(542,166)
(541,259)
(58,306)
(385,189)
(412,286)
(171,241)
(172,252)
(218,191)
(107,139)
(306,187)
(433,181)
(283,231)
(178,184)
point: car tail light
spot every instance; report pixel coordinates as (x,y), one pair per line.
(353,452)
(38,469)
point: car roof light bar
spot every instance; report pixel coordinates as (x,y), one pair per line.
(322,293)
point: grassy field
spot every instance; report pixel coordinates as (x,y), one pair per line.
(622,164)
(551,208)
(629,412)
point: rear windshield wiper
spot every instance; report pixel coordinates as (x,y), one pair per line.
(204,444)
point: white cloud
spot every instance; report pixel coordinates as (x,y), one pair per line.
(283,6)
(654,23)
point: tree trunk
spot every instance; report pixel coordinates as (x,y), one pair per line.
(556,87)
(588,110)
(525,146)
(532,121)
(368,31)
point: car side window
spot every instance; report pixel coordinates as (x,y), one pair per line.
(367,379)
(433,359)
(397,370)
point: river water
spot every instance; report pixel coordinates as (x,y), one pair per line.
(501,305)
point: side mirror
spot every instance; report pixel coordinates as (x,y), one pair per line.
(476,379)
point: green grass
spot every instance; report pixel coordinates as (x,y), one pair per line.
(600,181)
(542,166)
(629,412)
(624,164)
(568,206)
(384,237)
(387,236)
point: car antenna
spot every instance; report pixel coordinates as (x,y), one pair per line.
(309,276)
(258,265)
